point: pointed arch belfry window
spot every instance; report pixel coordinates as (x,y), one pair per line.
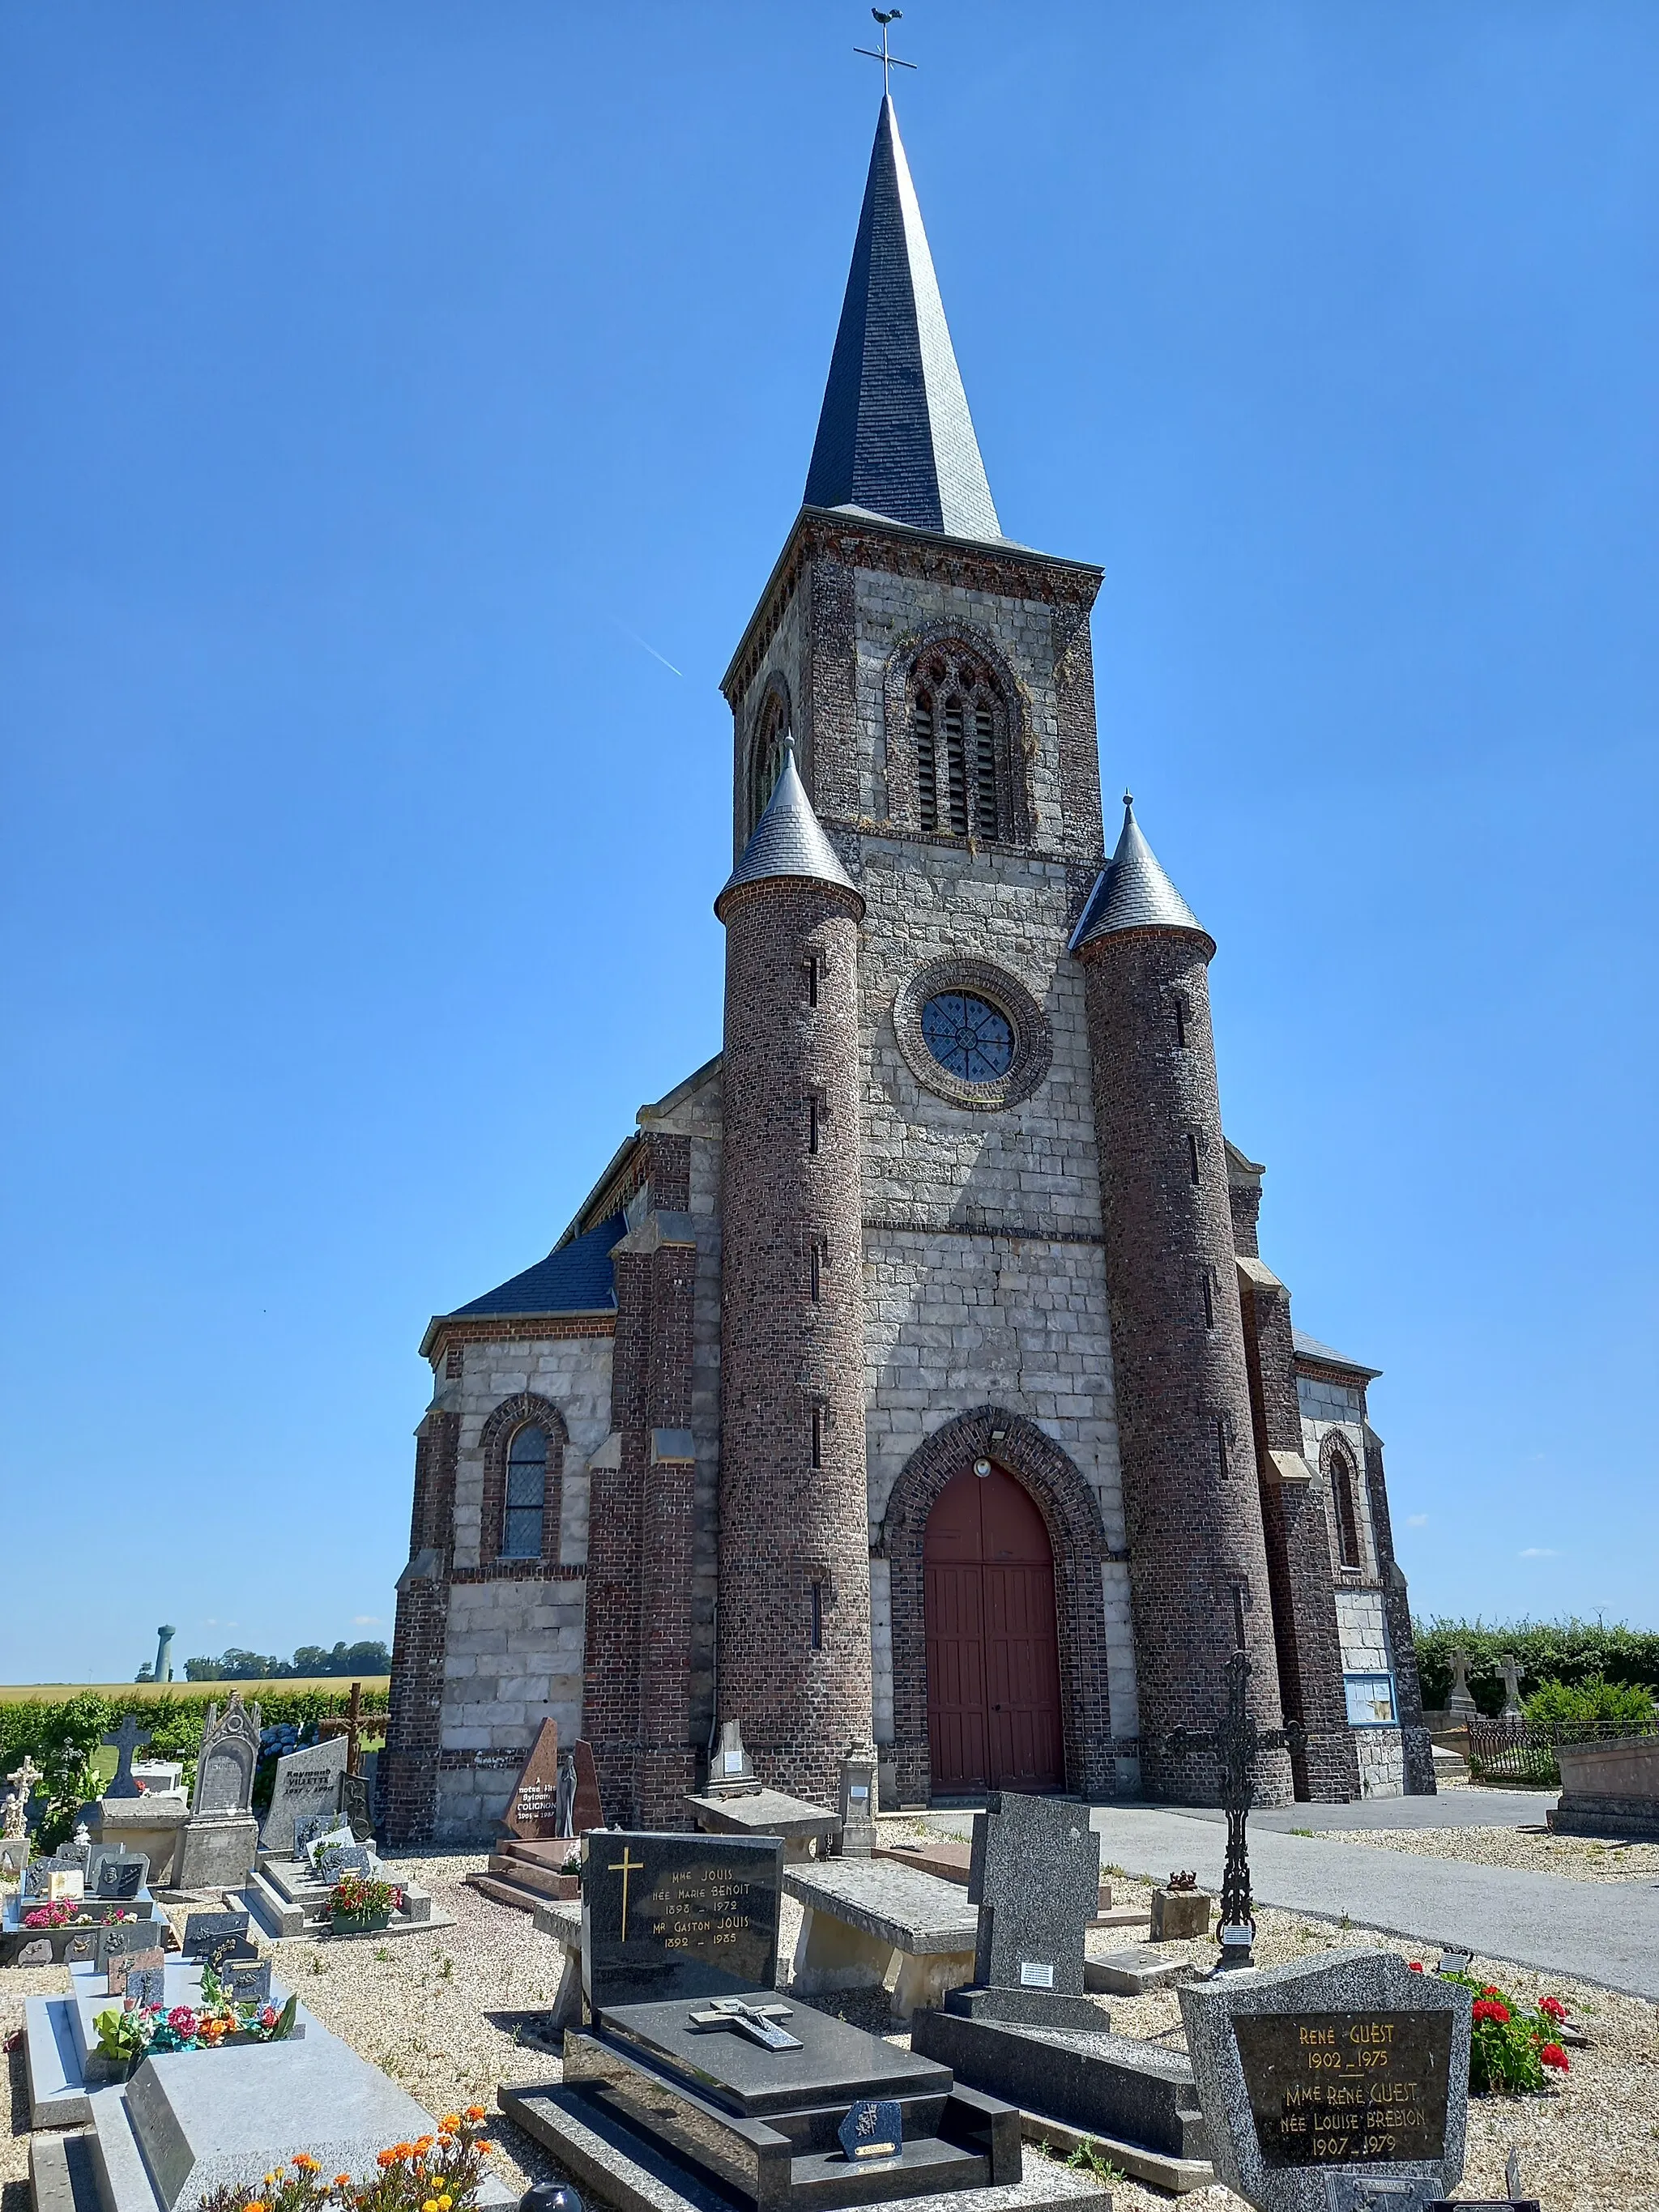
(1338,1468)
(959,732)
(766,756)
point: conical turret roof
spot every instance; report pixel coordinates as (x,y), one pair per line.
(789,840)
(894,437)
(1133,892)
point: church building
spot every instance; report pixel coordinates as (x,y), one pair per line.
(910,1376)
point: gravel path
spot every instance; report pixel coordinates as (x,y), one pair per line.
(438,2013)
(1575,1858)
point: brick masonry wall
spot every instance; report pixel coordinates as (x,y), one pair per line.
(1198,1555)
(789,1363)
(1299,1563)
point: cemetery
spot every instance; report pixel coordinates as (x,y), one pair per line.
(969,2005)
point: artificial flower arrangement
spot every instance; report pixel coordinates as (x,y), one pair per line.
(62,1910)
(1510,2044)
(364,1896)
(134,2030)
(437,2173)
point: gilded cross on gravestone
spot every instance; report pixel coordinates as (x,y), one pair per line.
(124,1740)
(625,1866)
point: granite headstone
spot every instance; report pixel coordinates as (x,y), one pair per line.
(667,1916)
(1329,2086)
(532,1810)
(588,1811)
(215,1936)
(355,1807)
(1035,1875)
(307,1781)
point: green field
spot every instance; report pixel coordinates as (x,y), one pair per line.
(21,1692)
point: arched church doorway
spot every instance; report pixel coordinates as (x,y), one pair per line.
(993,1658)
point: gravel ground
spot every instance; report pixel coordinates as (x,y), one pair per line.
(1579,1858)
(437,2013)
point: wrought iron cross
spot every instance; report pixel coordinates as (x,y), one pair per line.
(752,2020)
(889,62)
(1237,1741)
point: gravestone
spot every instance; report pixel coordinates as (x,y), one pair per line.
(1331,2087)
(1513,1708)
(532,1810)
(123,1742)
(355,1807)
(316,1828)
(588,1811)
(696,2059)
(123,1939)
(23,1779)
(731,1770)
(1461,1703)
(68,1858)
(222,1837)
(857,1805)
(146,1986)
(307,1781)
(1035,1875)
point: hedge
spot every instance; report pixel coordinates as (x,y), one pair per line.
(62,1734)
(1573,1652)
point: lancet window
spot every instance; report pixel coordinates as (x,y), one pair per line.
(958,734)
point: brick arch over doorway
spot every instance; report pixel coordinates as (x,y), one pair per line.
(1073,1519)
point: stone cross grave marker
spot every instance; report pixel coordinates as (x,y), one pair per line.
(1035,1875)
(666,1917)
(1513,1709)
(1330,2086)
(532,1809)
(22,1780)
(1461,1703)
(307,1781)
(123,1742)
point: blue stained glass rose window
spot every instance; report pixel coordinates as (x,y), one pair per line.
(968,1037)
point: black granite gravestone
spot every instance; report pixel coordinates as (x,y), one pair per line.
(246,1981)
(691,2050)
(146,1986)
(120,1879)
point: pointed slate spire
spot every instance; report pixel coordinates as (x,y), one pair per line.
(895,436)
(1133,892)
(788,840)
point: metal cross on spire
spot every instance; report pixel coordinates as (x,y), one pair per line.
(889,62)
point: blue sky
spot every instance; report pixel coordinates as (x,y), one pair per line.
(401,408)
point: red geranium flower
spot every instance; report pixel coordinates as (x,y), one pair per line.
(1552,2055)
(1490,2008)
(1553,2007)
(1415,1965)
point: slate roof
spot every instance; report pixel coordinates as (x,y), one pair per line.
(788,840)
(895,436)
(1133,892)
(1309,1347)
(574,1278)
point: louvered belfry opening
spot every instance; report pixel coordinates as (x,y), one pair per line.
(957,726)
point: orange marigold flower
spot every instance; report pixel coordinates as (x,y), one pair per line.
(386,2158)
(477,2112)
(343,2181)
(451,2120)
(305,2162)
(482,2146)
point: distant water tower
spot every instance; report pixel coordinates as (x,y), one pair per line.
(164,1654)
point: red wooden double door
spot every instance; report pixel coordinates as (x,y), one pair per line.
(993,1661)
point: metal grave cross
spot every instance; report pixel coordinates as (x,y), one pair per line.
(889,62)
(1236,1739)
(752,2020)
(124,1740)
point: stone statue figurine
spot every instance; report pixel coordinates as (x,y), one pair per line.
(22,1780)
(564,1801)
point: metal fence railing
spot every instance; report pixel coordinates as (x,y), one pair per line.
(1517,1751)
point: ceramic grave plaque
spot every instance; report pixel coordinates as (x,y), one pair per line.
(246,1981)
(215,1935)
(335,1859)
(146,1986)
(1331,2087)
(307,1782)
(355,1807)
(532,1809)
(120,1966)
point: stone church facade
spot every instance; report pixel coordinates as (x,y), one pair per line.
(911,1375)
